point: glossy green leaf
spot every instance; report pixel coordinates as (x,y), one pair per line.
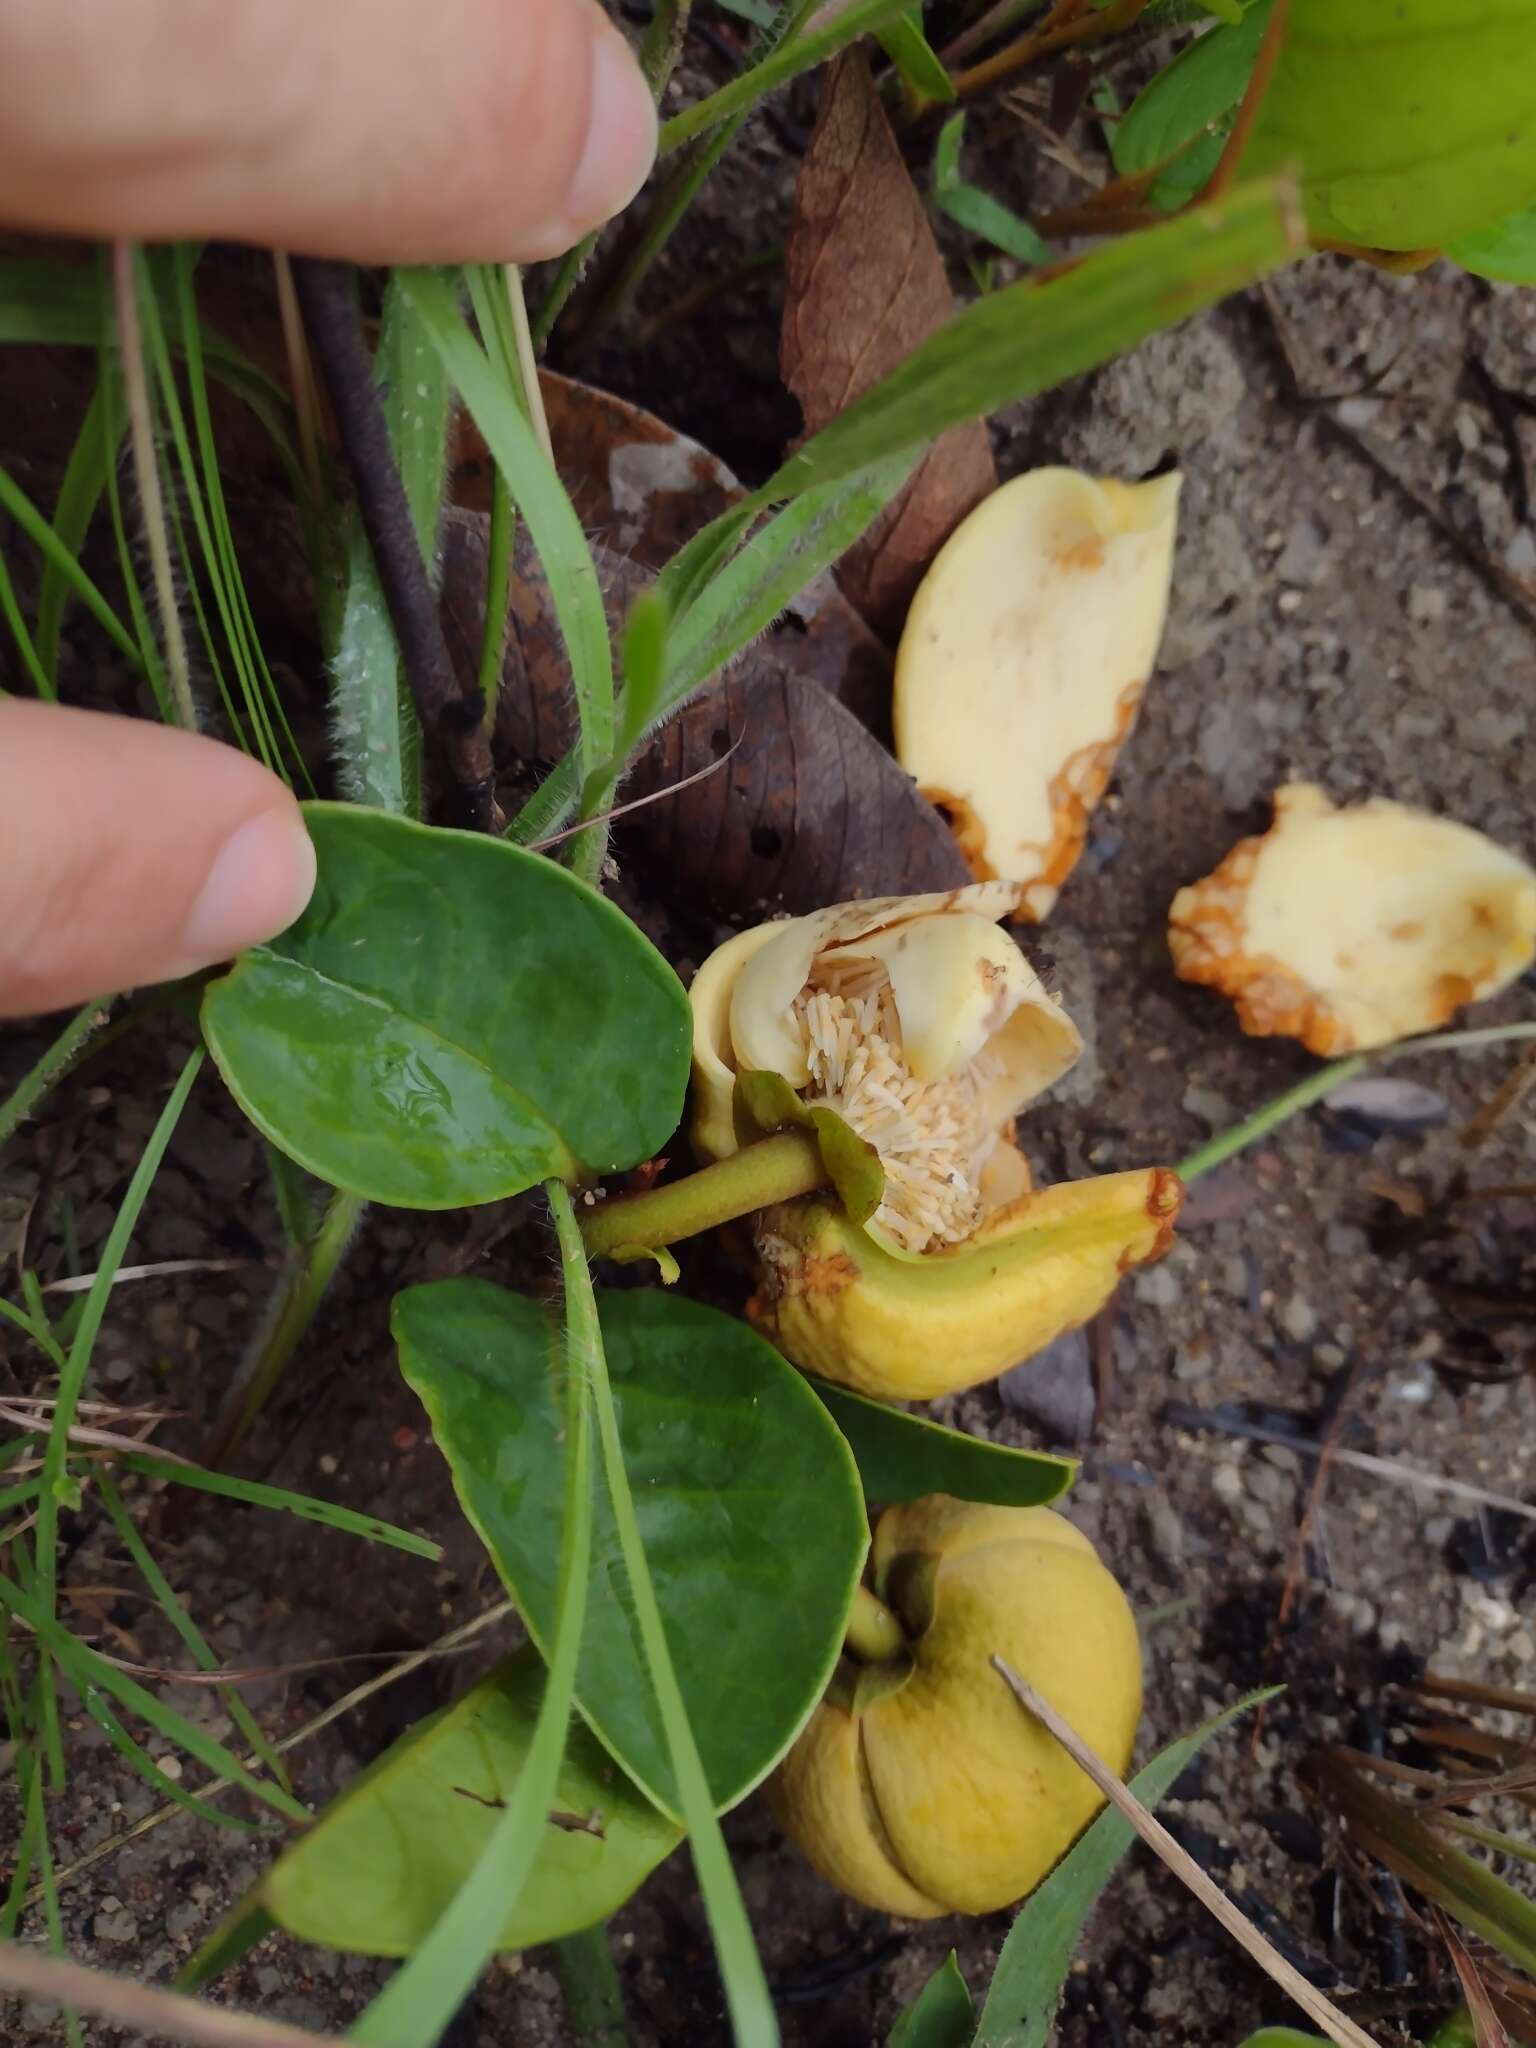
(384,1859)
(1035,1958)
(1414,121)
(451,1020)
(1505,252)
(903,1457)
(748,1503)
(942,2015)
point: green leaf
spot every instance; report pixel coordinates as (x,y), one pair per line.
(1414,121)
(912,54)
(450,1021)
(977,211)
(942,2016)
(748,1504)
(1188,97)
(384,1859)
(1032,1968)
(903,1457)
(1506,251)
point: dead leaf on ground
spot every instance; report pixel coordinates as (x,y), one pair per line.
(810,809)
(642,490)
(865,283)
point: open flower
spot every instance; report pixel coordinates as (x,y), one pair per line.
(918,1021)
(919,1785)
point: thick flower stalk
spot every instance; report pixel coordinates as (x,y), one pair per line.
(919,1786)
(919,1023)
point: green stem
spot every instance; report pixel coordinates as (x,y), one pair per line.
(1317,1085)
(873,1633)
(774,1170)
(52,1067)
(594,1998)
(298,1301)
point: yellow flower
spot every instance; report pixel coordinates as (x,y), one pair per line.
(920,1785)
(919,1022)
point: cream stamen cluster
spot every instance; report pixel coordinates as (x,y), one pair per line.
(932,1136)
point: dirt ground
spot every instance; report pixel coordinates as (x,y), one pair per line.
(1348,608)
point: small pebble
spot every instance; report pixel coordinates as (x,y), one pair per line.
(1227,1483)
(1298,1318)
(1386,1106)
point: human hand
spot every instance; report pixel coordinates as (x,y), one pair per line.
(387,131)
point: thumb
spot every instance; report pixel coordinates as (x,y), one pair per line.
(132,853)
(388,131)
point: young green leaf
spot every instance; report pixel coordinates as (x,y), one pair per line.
(451,1021)
(383,1860)
(1413,121)
(942,2015)
(1205,81)
(747,1498)
(919,69)
(977,211)
(1032,1968)
(903,1457)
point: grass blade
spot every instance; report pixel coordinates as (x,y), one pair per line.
(741,1969)
(255,1494)
(544,504)
(59,562)
(794,55)
(1032,1968)
(422,1996)
(57,1487)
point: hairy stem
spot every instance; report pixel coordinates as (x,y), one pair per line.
(146,470)
(66,1049)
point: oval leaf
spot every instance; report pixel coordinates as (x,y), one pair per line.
(747,1497)
(1506,251)
(450,1021)
(903,1457)
(385,1858)
(1414,121)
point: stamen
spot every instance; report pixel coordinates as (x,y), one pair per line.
(932,1136)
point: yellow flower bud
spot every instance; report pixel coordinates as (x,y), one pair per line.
(920,1785)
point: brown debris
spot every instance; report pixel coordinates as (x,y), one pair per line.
(865,285)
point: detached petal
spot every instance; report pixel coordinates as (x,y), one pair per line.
(1349,928)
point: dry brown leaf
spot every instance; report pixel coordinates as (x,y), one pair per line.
(865,284)
(809,809)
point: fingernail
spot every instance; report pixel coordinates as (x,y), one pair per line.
(621,136)
(261,878)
